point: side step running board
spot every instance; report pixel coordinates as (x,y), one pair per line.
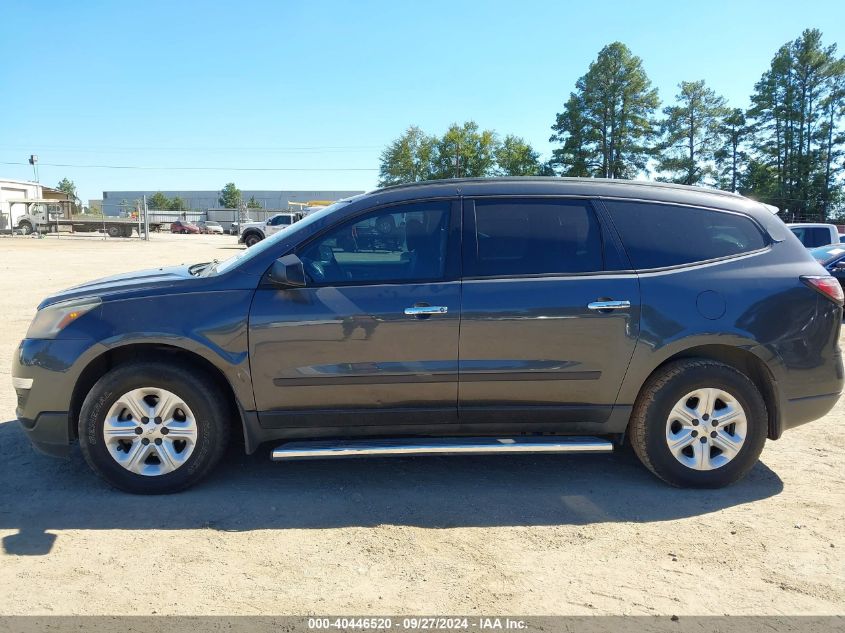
(445,445)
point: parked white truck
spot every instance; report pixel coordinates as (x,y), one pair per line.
(813,235)
(253,232)
(44,216)
(29,207)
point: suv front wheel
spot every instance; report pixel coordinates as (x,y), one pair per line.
(699,423)
(153,428)
(252,238)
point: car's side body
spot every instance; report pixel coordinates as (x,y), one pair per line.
(210,227)
(513,354)
(832,257)
(181,226)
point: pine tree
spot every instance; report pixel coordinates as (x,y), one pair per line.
(607,124)
(691,134)
(797,113)
(731,157)
(572,131)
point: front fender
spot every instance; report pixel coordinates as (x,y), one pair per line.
(212,325)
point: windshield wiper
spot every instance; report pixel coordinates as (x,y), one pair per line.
(209,268)
(196,269)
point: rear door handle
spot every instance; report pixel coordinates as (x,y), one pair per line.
(424,310)
(609,305)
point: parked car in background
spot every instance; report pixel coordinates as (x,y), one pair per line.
(210,227)
(234,228)
(813,235)
(574,315)
(832,257)
(253,232)
(182,226)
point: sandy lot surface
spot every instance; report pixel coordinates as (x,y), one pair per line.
(505,535)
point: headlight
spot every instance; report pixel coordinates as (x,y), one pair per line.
(53,319)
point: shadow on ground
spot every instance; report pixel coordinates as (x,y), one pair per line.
(250,492)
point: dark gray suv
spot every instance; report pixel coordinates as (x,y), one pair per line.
(464,316)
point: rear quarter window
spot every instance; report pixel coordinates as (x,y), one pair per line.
(661,235)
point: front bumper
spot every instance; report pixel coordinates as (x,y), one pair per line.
(49,433)
(44,374)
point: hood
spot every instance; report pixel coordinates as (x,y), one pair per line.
(125,283)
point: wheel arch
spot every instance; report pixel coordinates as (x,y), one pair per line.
(741,359)
(139,352)
(253,231)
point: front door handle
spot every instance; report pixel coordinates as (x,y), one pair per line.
(609,305)
(425,310)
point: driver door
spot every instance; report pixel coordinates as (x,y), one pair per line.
(372,339)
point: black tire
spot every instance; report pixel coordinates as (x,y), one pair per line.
(663,389)
(252,239)
(114,231)
(25,228)
(199,393)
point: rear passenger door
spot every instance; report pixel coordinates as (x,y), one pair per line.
(549,322)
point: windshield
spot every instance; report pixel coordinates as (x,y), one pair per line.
(262,246)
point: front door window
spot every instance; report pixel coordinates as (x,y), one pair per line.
(395,244)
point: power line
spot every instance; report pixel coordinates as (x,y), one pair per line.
(150,167)
(309,148)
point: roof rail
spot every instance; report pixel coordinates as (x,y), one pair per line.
(609,181)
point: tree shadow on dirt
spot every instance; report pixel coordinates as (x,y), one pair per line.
(40,494)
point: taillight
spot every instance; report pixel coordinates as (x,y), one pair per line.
(828,286)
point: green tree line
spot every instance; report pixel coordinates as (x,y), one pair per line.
(462,151)
(786,149)
(160,202)
(230,198)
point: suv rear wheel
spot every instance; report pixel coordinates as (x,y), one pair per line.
(153,428)
(699,423)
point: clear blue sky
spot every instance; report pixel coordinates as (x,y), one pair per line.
(321,85)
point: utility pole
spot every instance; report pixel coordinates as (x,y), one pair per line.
(146,221)
(458,160)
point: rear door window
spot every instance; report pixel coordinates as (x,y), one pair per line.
(661,235)
(533,237)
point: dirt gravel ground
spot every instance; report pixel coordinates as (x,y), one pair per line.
(516,535)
